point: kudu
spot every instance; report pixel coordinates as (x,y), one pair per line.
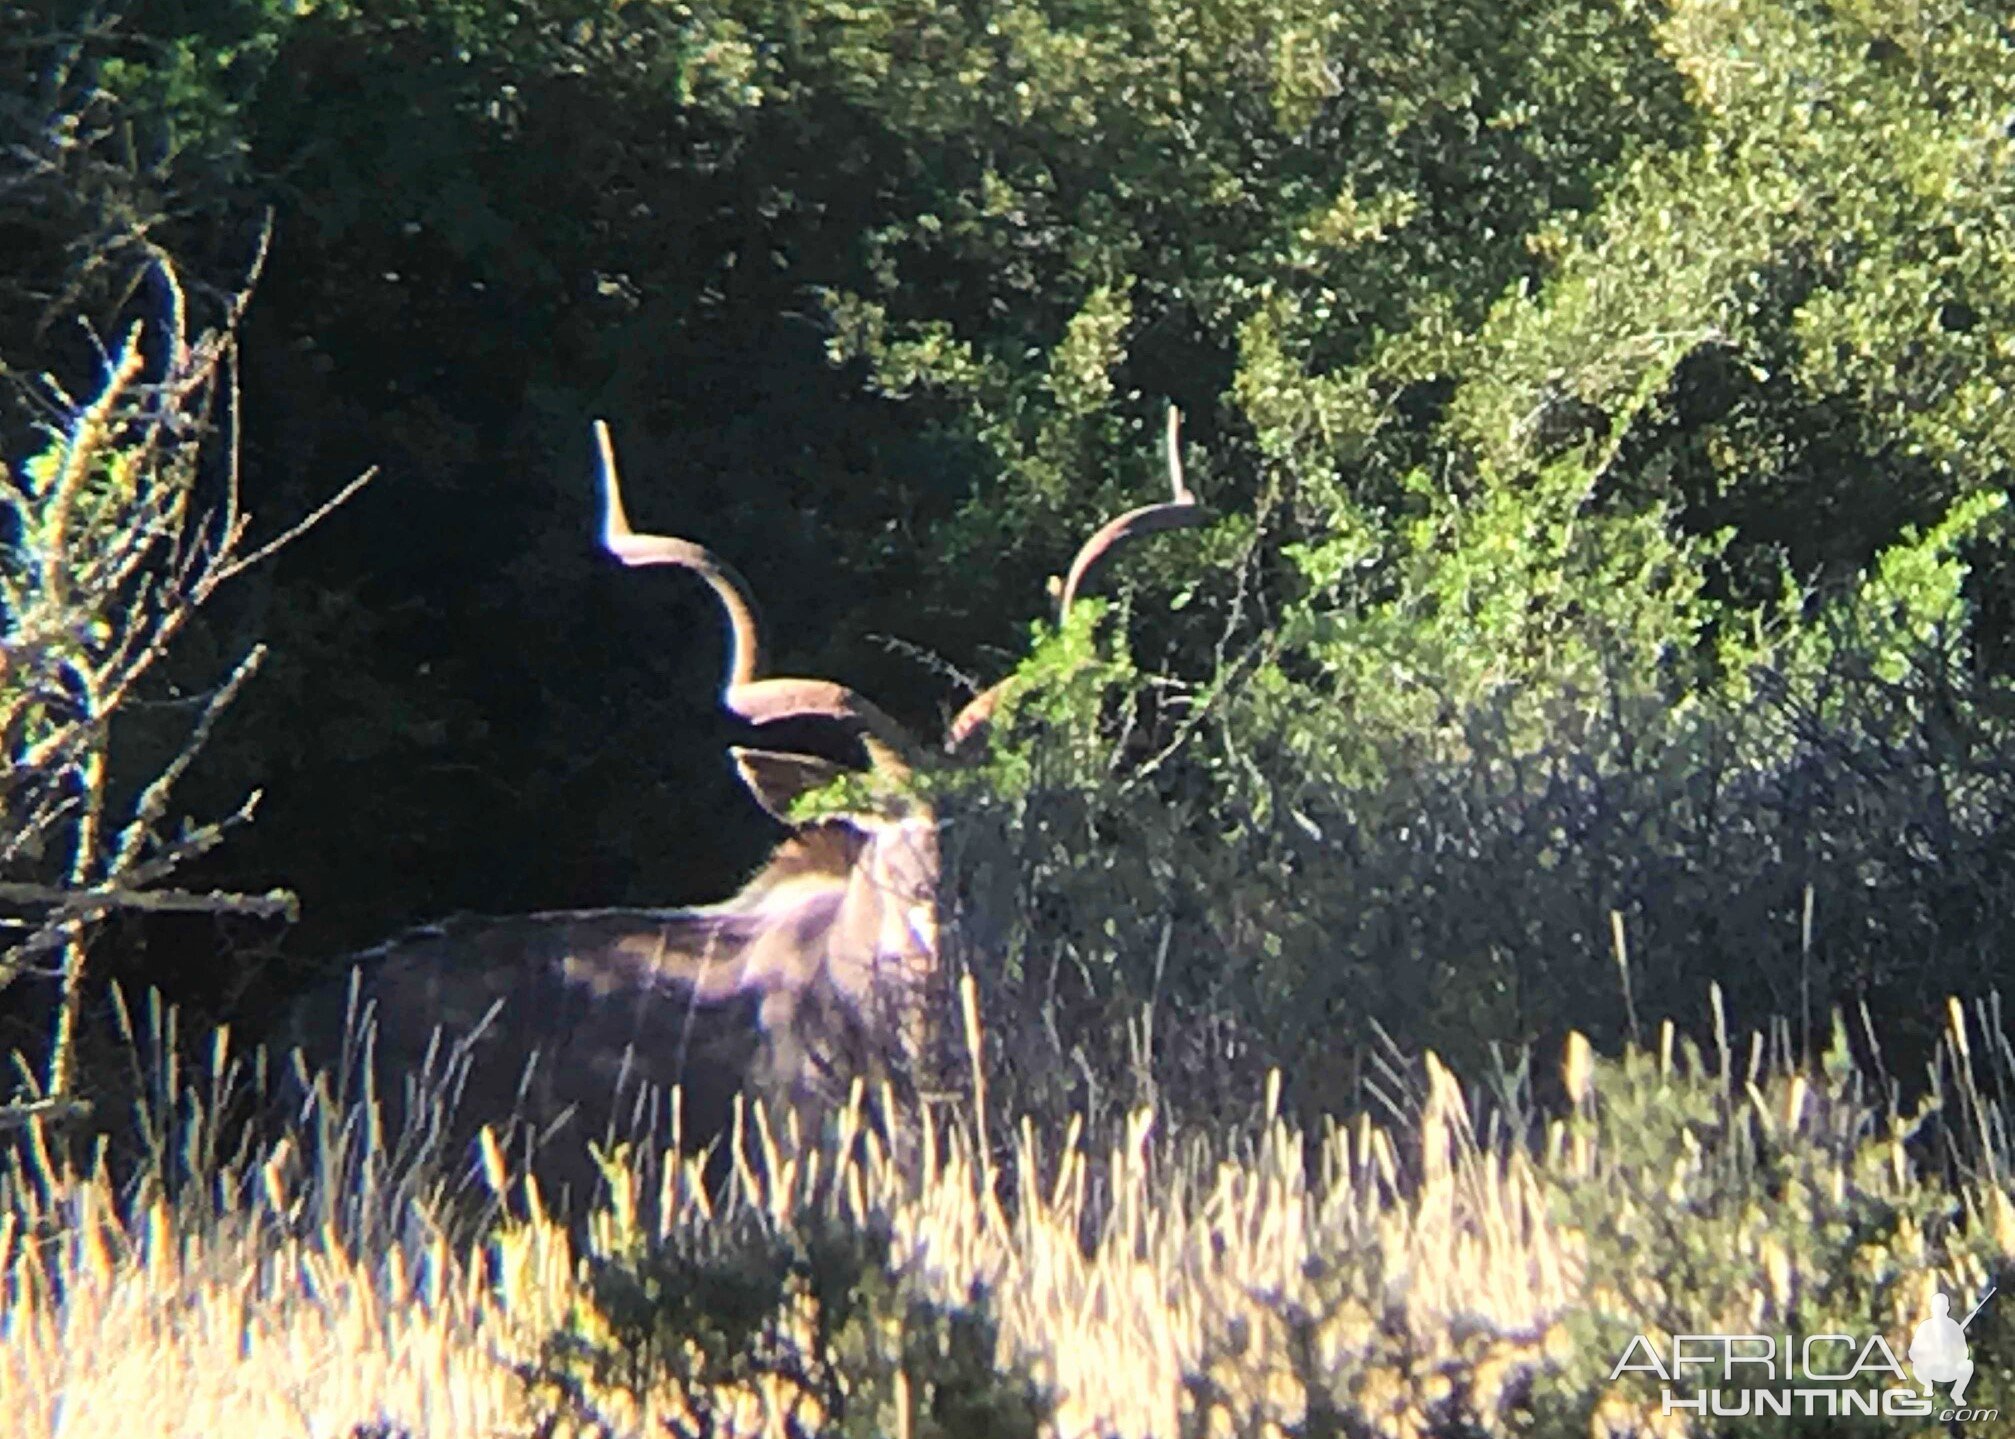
(819,971)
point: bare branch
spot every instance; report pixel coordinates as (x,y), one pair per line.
(274,904)
(294,531)
(87,432)
(153,800)
(22,1113)
(107,568)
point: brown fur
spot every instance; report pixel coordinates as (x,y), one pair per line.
(575,1025)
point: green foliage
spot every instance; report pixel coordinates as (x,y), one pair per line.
(1058,709)
(1907,614)
(1511,599)
(812,1314)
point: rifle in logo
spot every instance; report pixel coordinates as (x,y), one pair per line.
(1938,1349)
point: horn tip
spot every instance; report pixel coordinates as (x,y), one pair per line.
(615,522)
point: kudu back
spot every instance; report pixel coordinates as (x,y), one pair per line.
(824,969)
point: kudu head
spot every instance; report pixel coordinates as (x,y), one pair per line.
(821,970)
(844,920)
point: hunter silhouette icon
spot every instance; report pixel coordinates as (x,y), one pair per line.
(1938,1350)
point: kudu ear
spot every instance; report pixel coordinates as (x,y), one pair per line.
(779,781)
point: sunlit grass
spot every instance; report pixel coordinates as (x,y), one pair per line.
(1412,1280)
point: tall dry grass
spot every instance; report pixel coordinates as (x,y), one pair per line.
(1375,1280)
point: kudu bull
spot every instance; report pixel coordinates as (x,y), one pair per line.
(824,968)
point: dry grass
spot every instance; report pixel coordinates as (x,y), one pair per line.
(1409,1276)
(141,1330)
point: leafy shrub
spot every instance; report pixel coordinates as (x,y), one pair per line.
(809,1316)
(1813,813)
